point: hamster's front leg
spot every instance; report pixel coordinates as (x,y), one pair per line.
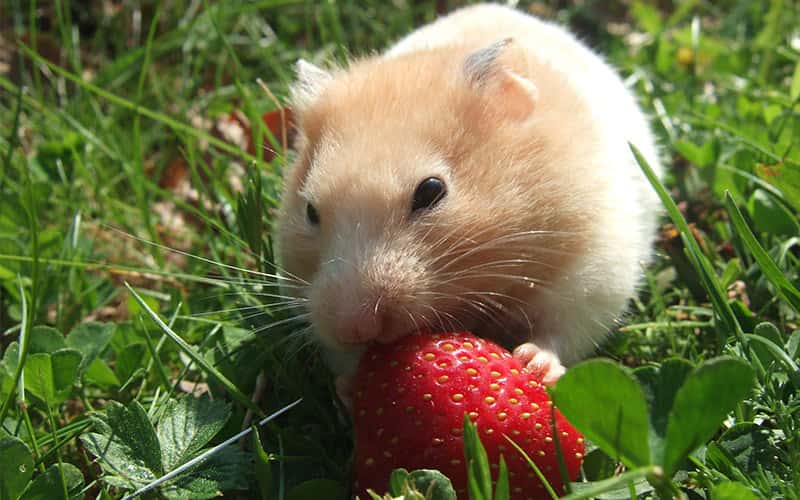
(542,363)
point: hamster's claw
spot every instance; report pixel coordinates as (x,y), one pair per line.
(344,389)
(542,363)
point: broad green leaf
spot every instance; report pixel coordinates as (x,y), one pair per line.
(705,399)
(771,112)
(130,361)
(225,470)
(90,339)
(786,178)
(16,467)
(597,465)
(46,340)
(47,486)
(767,344)
(702,156)
(51,377)
(432,483)
(771,216)
(318,489)
(6,381)
(744,447)
(660,386)
(794,90)
(647,16)
(785,288)
(11,357)
(732,491)
(793,344)
(6,274)
(607,405)
(99,373)
(126,446)
(186,425)
(397,481)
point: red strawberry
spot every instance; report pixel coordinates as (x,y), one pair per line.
(409,404)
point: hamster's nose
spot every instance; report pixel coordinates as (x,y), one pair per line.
(370,323)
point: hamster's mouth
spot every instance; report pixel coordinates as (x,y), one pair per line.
(502,328)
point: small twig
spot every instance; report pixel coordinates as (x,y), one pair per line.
(258,393)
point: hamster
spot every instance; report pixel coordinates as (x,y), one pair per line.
(475,176)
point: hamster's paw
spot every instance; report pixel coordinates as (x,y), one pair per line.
(542,363)
(344,389)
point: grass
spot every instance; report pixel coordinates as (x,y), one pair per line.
(115,171)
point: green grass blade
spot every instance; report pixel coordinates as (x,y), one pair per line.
(778,352)
(174,124)
(501,490)
(196,357)
(703,268)
(536,470)
(478,473)
(160,371)
(13,137)
(611,483)
(24,342)
(771,271)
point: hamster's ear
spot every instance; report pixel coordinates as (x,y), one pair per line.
(489,71)
(311,80)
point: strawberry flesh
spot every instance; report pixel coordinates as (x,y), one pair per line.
(410,398)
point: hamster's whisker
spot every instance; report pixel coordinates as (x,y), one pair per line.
(488,244)
(411,317)
(469,240)
(439,318)
(223,311)
(495,294)
(190,255)
(340,259)
(270,150)
(454,322)
(481,307)
(509,263)
(285,274)
(303,336)
(519,304)
(257,294)
(273,309)
(264,328)
(461,310)
(448,235)
(476,275)
(253,282)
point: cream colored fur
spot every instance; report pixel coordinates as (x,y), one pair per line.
(547,221)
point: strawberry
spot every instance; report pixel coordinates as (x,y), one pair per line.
(410,398)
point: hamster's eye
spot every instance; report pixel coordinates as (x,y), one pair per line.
(312,214)
(428,194)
